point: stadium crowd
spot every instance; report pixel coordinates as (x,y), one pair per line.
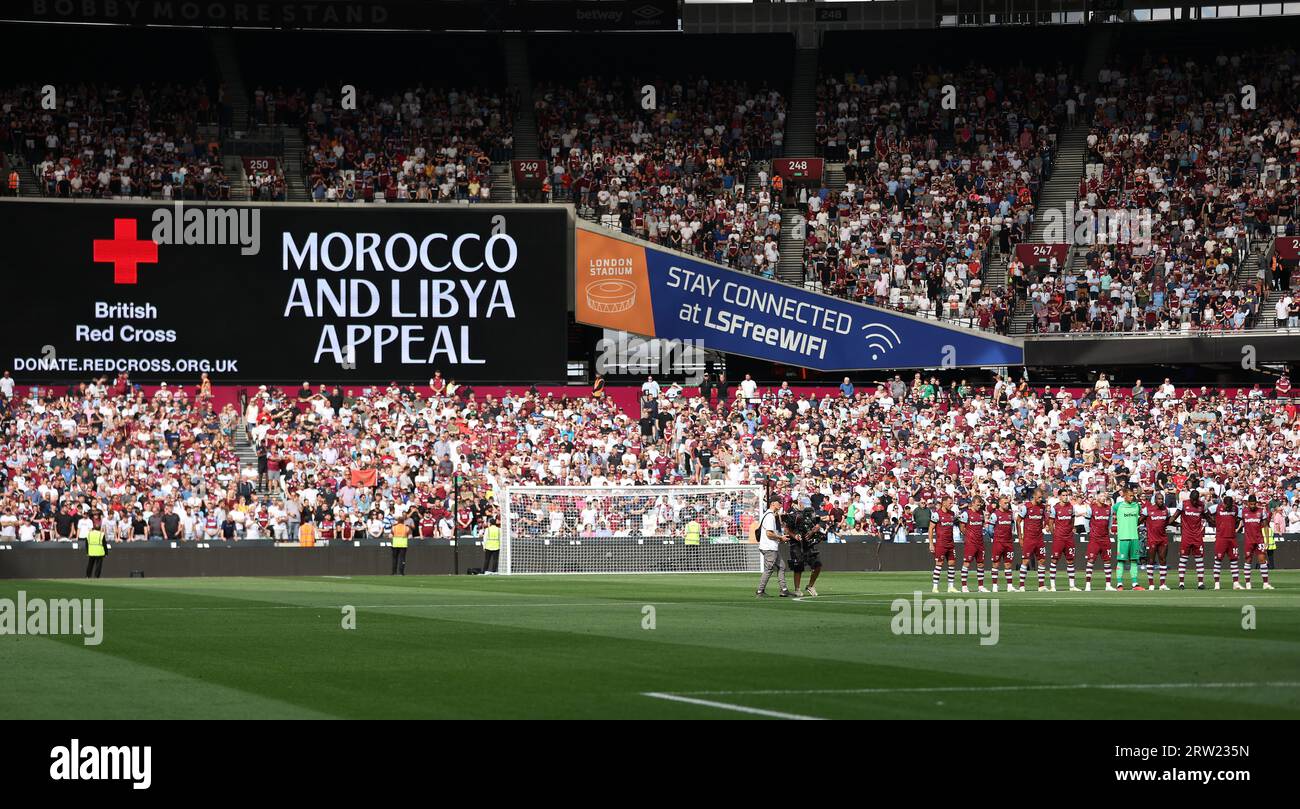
(876,459)
(1203,161)
(105,140)
(677,174)
(941,169)
(422,144)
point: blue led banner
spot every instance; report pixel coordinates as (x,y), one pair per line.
(628,285)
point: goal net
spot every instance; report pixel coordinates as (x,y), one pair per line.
(630,529)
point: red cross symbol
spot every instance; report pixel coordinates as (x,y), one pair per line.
(124,251)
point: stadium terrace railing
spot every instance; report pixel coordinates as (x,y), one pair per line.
(1163,335)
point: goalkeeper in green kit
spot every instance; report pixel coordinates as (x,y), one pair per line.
(1126,514)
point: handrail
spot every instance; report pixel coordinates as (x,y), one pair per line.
(1159,335)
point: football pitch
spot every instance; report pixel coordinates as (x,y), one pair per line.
(650,647)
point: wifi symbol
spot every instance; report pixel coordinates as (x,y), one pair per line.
(878,341)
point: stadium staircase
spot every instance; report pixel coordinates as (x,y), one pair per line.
(1248,274)
(520,85)
(226,57)
(503,184)
(789,267)
(995,271)
(1248,270)
(1267,317)
(833,179)
(1063,187)
(234,168)
(801,112)
(947,139)
(1069,166)
(28,184)
(1101,39)
(247,454)
(1021,319)
(800,141)
(294,183)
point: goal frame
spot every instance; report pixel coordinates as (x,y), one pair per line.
(507,533)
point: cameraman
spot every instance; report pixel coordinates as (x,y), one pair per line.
(804,529)
(770,536)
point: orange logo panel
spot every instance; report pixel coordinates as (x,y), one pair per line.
(612,285)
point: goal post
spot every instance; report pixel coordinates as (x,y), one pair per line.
(630,529)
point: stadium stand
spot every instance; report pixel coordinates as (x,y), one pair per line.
(81,126)
(673,158)
(1198,141)
(111,141)
(432,138)
(355,457)
(920,210)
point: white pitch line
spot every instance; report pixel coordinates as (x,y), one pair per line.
(708,604)
(362,607)
(727,706)
(638,603)
(967,689)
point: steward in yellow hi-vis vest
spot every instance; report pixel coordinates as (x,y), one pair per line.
(693,531)
(491,547)
(94,552)
(401,538)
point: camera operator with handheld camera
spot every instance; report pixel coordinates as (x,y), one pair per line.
(804,528)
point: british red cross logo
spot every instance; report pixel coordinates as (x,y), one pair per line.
(125,252)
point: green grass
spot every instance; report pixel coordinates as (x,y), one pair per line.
(574,647)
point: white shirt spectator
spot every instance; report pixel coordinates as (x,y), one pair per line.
(768,523)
